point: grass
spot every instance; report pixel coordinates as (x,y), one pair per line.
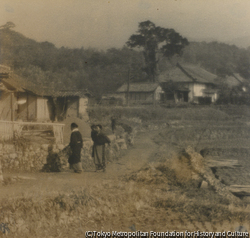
(116,205)
(152,113)
(241,111)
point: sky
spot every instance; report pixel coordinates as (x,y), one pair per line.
(104,24)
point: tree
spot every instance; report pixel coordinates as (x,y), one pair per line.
(219,58)
(243,66)
(149,37)
(8,25)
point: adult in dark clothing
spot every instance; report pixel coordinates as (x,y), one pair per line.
(93,132)
(113,124)
(76,146)
(98,152)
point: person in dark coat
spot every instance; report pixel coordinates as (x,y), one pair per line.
(75,144)
(98,152)
(113,124)
(93,132)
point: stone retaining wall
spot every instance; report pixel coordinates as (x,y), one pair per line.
(34,157)
(29,158)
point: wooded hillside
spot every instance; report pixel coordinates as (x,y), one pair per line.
(104,71)
(46,65)
(219,58)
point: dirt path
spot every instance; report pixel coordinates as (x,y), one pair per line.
(134,159)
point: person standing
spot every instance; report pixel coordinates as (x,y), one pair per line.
(113,124)
(98,152)
(75,144)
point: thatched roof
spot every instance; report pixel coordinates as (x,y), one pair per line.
(19,84)
(234,80)
(188,73)
(138,87)
(62,93)
(13,83)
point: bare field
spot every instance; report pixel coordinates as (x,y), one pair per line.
(151,187)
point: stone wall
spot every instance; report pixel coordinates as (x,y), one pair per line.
(34,157)
(25,158)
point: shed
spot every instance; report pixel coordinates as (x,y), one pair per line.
(141,92)
(64,103)
(24,100)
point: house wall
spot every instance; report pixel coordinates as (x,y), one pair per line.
(140,96)
(198,89)
(72,106)
(198,92)
(27,111)
(8,107)
(22,109)
(83,104)
(42,109)
(5,106)
(11,110)
(143,96)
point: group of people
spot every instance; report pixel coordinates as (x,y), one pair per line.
(98,149)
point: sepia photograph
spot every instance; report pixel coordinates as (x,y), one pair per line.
(124,118)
